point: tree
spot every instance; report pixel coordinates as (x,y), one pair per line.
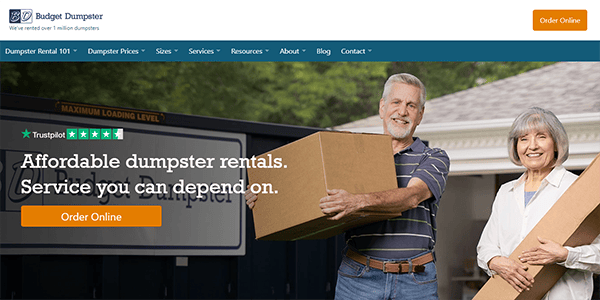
(320,94)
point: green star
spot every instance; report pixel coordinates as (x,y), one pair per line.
(26,133)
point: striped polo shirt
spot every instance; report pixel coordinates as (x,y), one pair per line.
(414,232)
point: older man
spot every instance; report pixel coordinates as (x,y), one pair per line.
(393,259)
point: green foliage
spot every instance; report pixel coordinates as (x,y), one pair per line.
(210,89)
(320,94)
(317,93)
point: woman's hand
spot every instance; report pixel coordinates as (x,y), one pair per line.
(512,272)
(547,253)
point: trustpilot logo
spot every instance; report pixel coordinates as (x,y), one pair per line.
(77,134)
(22,16)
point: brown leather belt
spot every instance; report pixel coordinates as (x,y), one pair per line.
(416,265)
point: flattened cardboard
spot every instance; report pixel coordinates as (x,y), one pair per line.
(574,220)
(355,162)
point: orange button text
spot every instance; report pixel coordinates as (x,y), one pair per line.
(560,20)
(91,216)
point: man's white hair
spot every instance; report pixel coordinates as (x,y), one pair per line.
(406,79)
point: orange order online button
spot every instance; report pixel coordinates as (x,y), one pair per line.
(91,216)
(560,20)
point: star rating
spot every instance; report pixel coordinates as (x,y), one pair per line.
(93,133)
(26,133)
(106,133)
(71,133)
(118,133)
(84,133)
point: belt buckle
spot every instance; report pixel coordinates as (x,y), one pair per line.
(399,265)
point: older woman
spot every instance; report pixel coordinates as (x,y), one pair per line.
(537,141)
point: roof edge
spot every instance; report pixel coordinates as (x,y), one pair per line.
(500,123)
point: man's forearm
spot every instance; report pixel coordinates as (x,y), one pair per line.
(340,203)
(396,200)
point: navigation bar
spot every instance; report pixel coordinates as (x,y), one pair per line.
(300,51)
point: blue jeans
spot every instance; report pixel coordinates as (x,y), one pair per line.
(356,281)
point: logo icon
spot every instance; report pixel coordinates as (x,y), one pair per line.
(26,134)
(22,16)
(12,175)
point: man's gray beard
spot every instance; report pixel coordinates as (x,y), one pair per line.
(397,132)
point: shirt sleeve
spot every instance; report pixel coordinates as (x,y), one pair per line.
(433,170)
(585,258)
(489,243)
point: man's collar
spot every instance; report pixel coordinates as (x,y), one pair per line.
(416,146)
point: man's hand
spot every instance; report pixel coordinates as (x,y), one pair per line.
(250,198)
(512,272)
(340,203)
(547,253)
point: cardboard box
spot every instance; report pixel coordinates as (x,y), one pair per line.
(355,162)
(574,220)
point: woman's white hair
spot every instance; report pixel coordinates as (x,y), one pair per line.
(540,119)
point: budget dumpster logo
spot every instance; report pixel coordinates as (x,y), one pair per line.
(77,134)
(20,16)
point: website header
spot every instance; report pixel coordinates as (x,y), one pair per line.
(303,21)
